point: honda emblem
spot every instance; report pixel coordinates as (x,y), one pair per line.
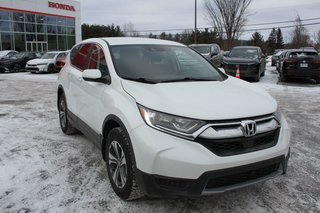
(249,128)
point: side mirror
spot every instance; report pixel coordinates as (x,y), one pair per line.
(94,75)
(226,53)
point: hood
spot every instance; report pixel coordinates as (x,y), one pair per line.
(240,60)
(215,100)
(40,61)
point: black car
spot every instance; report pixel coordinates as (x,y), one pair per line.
(211,51)
(249,60)
(17,62)
(275,56)
(300,64)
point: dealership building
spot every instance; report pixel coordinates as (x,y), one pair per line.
(39,25)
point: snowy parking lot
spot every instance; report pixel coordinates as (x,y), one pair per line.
(43,170)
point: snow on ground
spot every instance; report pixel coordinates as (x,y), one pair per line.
(43,170)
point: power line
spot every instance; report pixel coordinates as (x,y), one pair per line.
(265,28)
(202,28)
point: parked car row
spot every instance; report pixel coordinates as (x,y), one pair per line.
(35,62)
(299,63)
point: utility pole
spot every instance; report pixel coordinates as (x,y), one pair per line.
(195,21)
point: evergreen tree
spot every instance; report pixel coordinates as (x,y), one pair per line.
(272,40)
(256,40)
(280,42)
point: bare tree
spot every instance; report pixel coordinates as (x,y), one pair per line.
(300,35)
(227,17)
(316,38)
(129,30)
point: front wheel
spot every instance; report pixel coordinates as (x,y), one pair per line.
(120,166)
(16,68)
(51,68)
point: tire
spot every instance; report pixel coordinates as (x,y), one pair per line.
(51,68)
(257,78)
(65,125)
(16,68)
(120,165)
(282,78)
(317,80)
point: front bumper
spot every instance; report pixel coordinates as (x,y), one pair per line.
(246,71)
(37,68)
(213,182)
(163,160)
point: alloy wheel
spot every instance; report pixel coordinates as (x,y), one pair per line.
(117,164)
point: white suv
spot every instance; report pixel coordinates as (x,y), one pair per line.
(168,122)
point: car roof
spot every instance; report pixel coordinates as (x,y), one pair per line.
(245,47)
(201,45)
(136,40)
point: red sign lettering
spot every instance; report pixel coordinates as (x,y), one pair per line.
(60,6)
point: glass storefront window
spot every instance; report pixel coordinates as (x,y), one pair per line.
(31,28)
(41,37)
(31,37)
(18,27)
(41,28)
(61,30)
(61,21)
(70,30)
(70,22)
(51,29)
(30,17)
(5,15)
(51,20)
(18,17)
(62,42)
(6,41)
(41,19)
(52,42)
(19,41)
(71,42)
(5,26)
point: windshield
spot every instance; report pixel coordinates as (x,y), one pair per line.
(161,63)
(49,55)
(18,55)
(202,49)
(250,53)
(303,54)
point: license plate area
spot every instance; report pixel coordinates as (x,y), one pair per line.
(304,65)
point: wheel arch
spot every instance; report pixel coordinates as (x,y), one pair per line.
(111,122)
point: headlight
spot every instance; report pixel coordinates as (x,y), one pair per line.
(42,64)
(278,114)
(170,123)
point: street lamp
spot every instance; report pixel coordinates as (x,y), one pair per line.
(195,21)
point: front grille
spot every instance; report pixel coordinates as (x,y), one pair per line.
(32,68)
(242,177)
(236,146)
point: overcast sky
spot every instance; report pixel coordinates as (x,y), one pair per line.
(179,14)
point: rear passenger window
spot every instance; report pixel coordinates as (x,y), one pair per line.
(97,60)
(79,55)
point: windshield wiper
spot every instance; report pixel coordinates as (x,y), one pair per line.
(187,79)
(142,80)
